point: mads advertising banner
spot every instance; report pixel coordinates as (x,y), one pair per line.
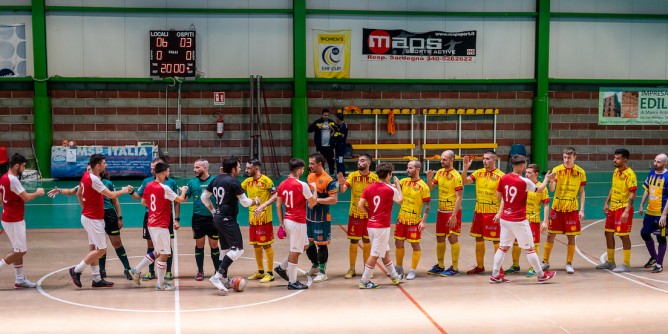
(402,45)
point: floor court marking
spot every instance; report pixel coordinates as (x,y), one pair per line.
(626,276)
(46,294)
(406,293)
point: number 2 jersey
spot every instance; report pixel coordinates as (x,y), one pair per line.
(158,198)
(13,206)
(514,190)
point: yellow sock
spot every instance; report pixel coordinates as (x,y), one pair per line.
(400,256)
(570,253)
(536,247)
(627,257)
(258,258)
(415,259)
(454,248)
(547,249)
(480,253)
(611,255)
(352,253)
(270,258)
(366,250)
(440,253)
(516,255)
(496,247)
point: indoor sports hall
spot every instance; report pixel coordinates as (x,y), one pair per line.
(137,80)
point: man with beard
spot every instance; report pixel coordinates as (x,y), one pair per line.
(486,206)
(618,208)
(449,218)
(202,221)
(14,197)
(656,189)
(357,219)
(411,220)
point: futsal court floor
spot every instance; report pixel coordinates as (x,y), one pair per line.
(589,301)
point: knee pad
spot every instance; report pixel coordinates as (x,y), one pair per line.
(646,236)
(235,253)
(323,254)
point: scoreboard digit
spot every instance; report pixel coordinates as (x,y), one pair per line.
(172,54)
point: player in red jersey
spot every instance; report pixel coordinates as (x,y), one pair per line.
(376,202)
(294,194)
(91,195)
(512,193)
(14,197)
(158,198)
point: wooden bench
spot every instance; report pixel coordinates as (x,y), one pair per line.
(367,148)
(455,147)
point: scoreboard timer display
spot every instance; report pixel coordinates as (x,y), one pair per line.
(172,54)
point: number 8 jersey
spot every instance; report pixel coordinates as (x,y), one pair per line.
(513,189)
(158,198)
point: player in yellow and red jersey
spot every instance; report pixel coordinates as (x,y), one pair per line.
(449,218)
(565,217)
(261,230)
(411,220)
(357,219)
(486,206)
(619,213)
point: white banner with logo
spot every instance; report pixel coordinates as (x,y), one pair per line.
(331,53)
(402,45)
(13,50)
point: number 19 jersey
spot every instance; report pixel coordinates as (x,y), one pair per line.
(514,190)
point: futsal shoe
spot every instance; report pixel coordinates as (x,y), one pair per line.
(569,268)
(218,284)
(498,279)
(606,265)
(313,271)
(546,276)
(397,279)
(164,287)
(199,276)
(281,272)
(297,286)
(267,278)
(476,270)
(76,277)
(102,284)
(148,277)
(544,266)
(622,269)
(450,272)
(513,269)
(399,269)
(136,276)
(368,285)
(531,272)
(169,276)
(411,275)
(650,263)
(350,274)
(321,277)
(256,275)
(24,283)
(127,274)
(657,269)
(435,270)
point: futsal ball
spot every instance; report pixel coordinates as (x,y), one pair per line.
(238,283)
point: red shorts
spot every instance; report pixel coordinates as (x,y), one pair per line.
(357,228)
(564,223)
(535,231)
(442,219)
(411,233)
(261,234)
(483,226)
(614,223)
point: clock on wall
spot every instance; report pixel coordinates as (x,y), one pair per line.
(172,54)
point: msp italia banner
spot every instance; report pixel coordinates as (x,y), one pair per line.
(331,53)
(402,45)
(633,106)
(13,50)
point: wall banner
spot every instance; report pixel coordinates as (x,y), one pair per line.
(122,161)
(633,106)
(13,50)
(402,45)
(331,53)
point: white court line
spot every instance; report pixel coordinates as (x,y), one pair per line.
(628,276)
(177,295)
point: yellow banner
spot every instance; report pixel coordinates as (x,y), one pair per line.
(331,53)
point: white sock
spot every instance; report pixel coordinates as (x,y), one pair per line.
(80,267)
(498,260)
(391,270)
(2,263)
(534,261)
(160,271)
(144,263)
(366,275)
(283,265)
(19,272)
(96,273)
(292,272)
